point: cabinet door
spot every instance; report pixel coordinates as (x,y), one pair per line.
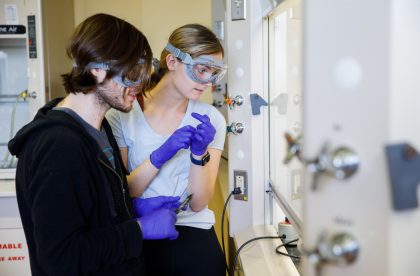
(360,93)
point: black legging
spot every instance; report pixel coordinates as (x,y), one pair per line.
(195,252)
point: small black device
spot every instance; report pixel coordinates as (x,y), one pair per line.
(202,161)
(184,203)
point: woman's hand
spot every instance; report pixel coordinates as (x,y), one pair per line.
(180,139)
(203,135)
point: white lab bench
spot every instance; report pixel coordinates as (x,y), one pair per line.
(14,257)
(259,257)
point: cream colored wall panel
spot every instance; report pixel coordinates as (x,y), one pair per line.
(58,25)
(156,19)
(161,17)
(126,9)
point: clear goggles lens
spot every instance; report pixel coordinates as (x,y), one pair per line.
(206,72)
(203,69)
(121,80)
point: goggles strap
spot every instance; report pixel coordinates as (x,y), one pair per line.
(176,52)
(98,65)
(104,65)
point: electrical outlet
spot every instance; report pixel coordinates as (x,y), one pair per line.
(240,180)
(296,184)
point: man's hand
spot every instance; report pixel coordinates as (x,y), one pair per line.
(158,225)
(145,206)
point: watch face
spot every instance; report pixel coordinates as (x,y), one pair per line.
(206,158)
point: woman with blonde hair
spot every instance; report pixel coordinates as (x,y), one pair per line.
(172,143)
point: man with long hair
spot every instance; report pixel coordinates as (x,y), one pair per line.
(71,183)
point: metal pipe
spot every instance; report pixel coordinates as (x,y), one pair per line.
(24,95)
(10,96)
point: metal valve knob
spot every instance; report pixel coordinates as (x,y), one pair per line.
(25,94)
(218,104)
(293,148)
(231,102)
(340,163)
(344,249)
(32,95)
(341,249)
(235,128)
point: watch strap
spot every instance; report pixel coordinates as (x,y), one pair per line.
(200,162)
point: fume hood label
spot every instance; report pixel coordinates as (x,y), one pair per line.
(32,37)
(12,29)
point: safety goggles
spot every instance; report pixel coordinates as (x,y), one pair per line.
(120,79)
(203,69)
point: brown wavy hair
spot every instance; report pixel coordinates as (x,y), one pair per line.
(101,38)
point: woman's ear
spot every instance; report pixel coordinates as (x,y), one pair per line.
(171,62)
(99,74)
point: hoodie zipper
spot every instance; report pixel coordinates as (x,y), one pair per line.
(121,182)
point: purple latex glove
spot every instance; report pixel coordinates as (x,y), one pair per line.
(203,135)
(180,139)
(159,224)
(144,206)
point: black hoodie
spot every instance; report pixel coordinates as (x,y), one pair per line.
(75,212)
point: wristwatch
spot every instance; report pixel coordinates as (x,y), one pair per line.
(202,161)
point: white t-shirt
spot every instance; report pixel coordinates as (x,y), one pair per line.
(132,131)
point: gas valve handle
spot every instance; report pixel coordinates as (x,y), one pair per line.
(340,163)
(235,128)
(231,102)
(341,249)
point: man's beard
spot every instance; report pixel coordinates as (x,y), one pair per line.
(111,99)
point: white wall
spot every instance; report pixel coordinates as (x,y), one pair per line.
(246,150)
